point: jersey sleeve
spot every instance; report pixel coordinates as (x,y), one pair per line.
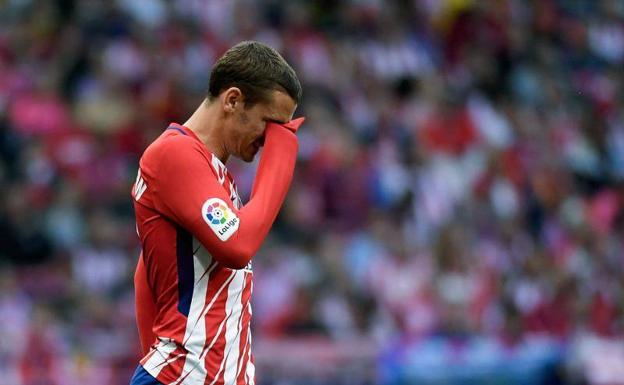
(145,307)
(188,192)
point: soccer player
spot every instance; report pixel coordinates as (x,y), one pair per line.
(194,277)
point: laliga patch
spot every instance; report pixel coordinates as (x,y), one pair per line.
(220,218)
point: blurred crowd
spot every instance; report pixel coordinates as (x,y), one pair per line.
(460,179)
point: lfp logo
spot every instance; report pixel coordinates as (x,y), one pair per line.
(217,213)
(220,218)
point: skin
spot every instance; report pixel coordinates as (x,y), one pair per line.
(228,127)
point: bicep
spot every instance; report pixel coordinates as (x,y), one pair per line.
(189,193)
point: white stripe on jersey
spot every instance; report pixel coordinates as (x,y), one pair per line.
(187,378)
(246,353)
(251,369)
(244,357)
(243,354)
(233,303)
(233,332)
(159,357)
(219,168)
(195,332)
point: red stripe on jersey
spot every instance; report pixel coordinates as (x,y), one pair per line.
(215,324)
(174,366)
(218,281)
(217,356)
(147,357)
(234,328)
(245,340)
(174,359)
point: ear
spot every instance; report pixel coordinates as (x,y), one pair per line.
(231,99)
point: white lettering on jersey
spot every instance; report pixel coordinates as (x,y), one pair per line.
(139,186)
(234,197)
(220,218)
(219,168)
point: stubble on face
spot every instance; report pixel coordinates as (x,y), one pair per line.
(243,118)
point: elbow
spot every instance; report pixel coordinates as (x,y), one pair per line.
(237,259)
(237,264)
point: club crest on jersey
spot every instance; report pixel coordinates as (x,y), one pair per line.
(220,218)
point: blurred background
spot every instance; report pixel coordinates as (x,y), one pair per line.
(457,214)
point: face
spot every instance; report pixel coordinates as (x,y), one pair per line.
(246,128)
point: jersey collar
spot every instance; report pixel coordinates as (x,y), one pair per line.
(183,130)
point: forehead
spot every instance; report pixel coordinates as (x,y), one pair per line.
(280,106)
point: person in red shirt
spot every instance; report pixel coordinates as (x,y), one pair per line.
(193,281)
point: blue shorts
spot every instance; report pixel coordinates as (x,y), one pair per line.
(142,377)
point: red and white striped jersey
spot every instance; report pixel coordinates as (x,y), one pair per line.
(197,243)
